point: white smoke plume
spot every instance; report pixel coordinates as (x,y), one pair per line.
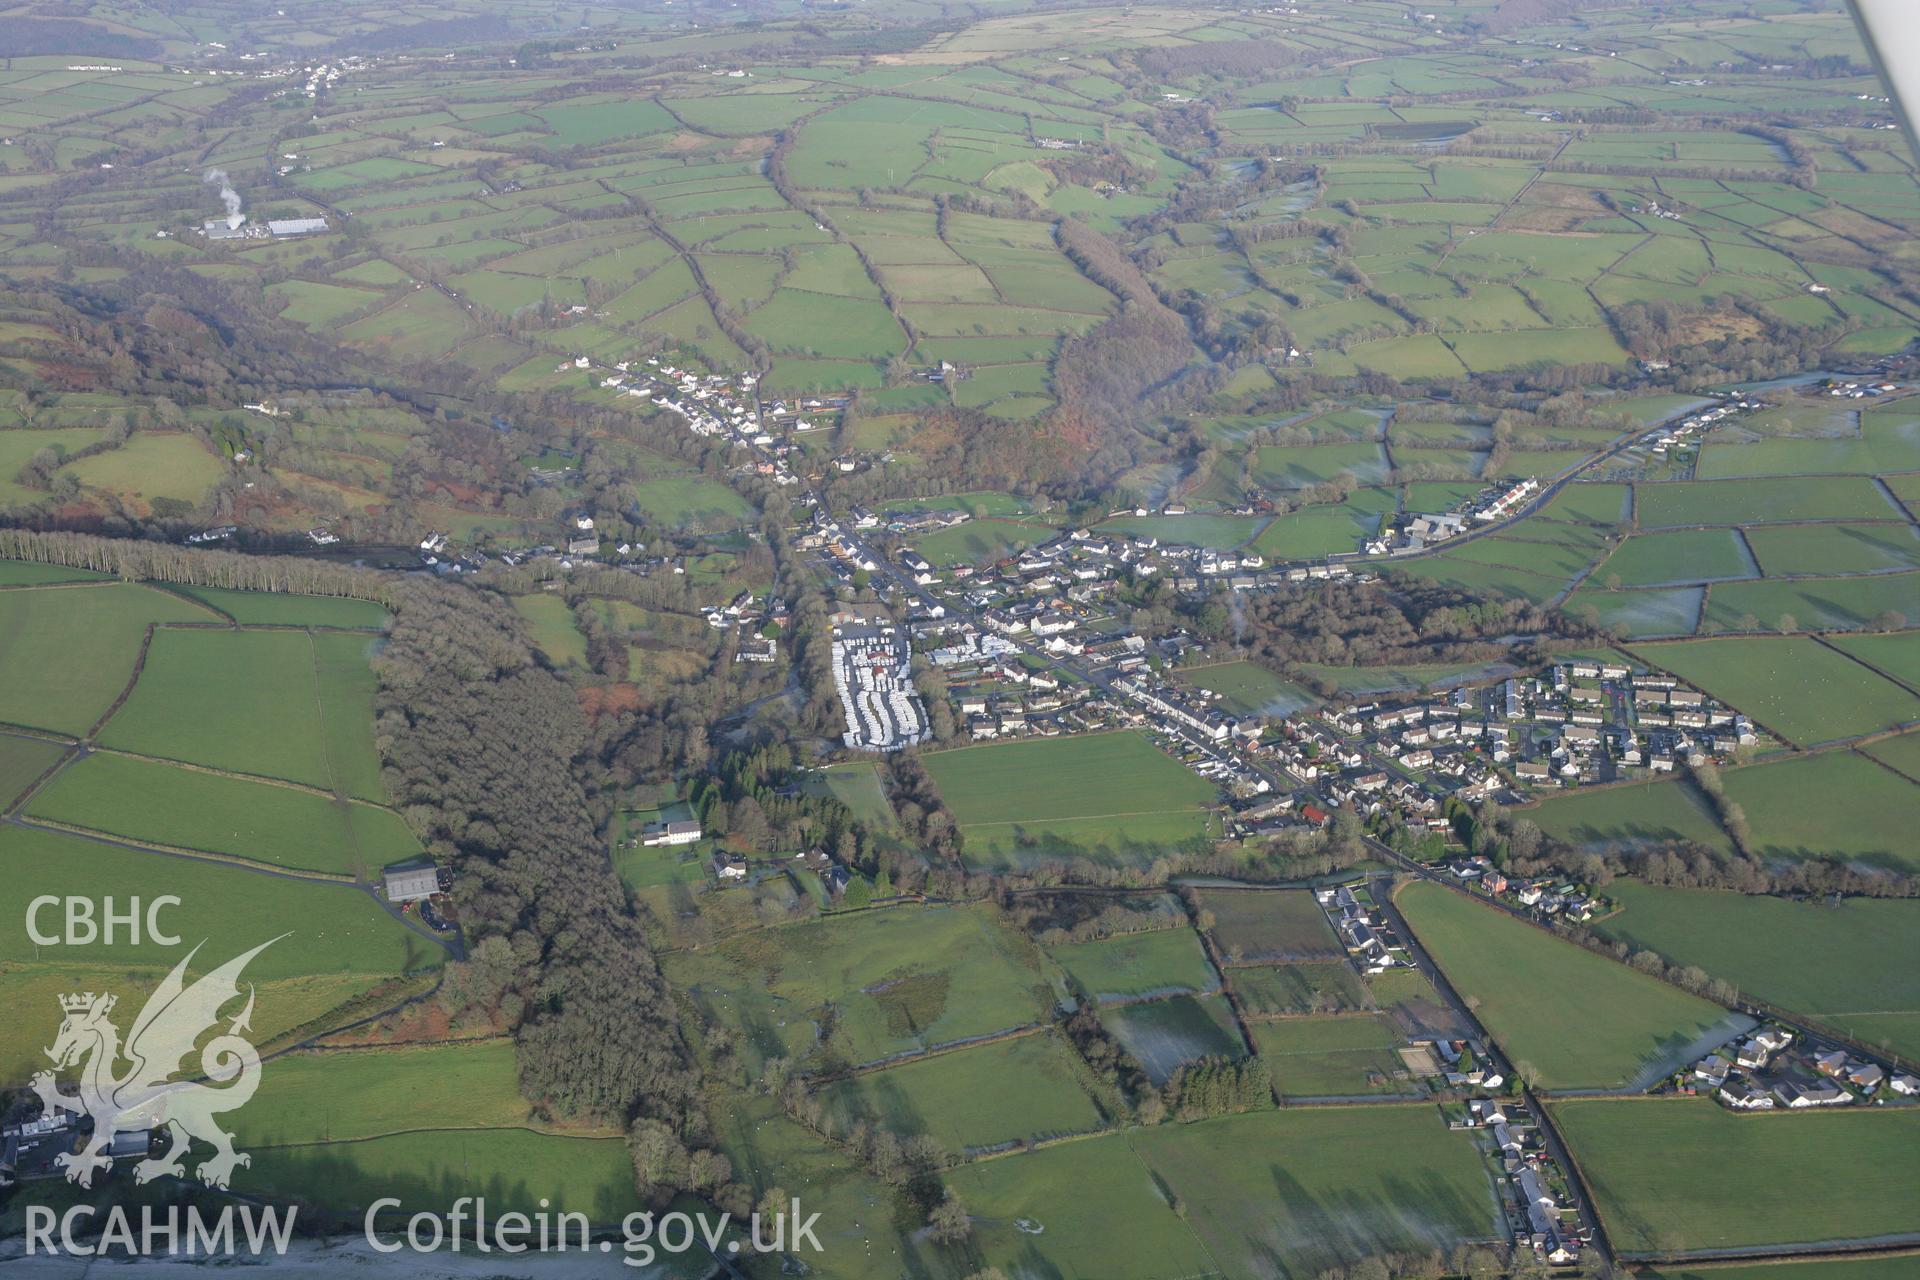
(228,196)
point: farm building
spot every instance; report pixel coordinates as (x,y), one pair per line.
(667,833)
(412,882)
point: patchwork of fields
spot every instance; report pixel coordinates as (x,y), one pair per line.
(1265,284)
(234,768)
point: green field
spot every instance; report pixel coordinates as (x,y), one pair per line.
(1332,1057)
(31,573)
(1673,611)
(512,1168)
(284,609)
(1897,655)
(1819,549)
(1578,1020)
(153,802)
(1882,442)
(338,941)
(150,466)
(1588,503)
(1275,990)
(1813,604)
(1641,813)
(1671,1175)
(979,541)
(1684,555)
(1853,963)
(1135,965)
(1248,689)
(551,627)
(81,643)
(22,760)
(690,502)
(1271,926)
(1292,1193)
(1860,817)
(1029,1087)
(887,982)
(1760,501)
(1164,1034)
(856,784)
(1094,1204)
(1890,1267)
(1113,795)
(1792,686)
(341,1095)
(1360,681)
(278,704)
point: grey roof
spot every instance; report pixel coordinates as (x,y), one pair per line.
(407,884)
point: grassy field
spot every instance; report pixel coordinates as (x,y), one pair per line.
(1271,927)
(81,643)
(1332,1057)
(1095,1206)
(149,466)
(857,1226)
(1588,503)
(856,784)
(1683,555)
(1812,604)
(341,1095)
(346,685)
(690,501)
(1760,501)
(1360,681)
(1682,1174)
(26,573)
(1292,1193)
(1621,1026)
(21,761)
(283,609)
(1897,654)
(1791,685)
(512,1168)
(1835,548)
(887,982)
(1247,689)
(1899,1267)
(551,627)
(238,700)
(1852,963)
(281,704)
(1673,611)
(1164,962)
(1860,816)
(1273,990)
(1164,1034)
(149,801)
(1029,1087)
(338,942)
(1112,795)
(979,541)
(1641,813)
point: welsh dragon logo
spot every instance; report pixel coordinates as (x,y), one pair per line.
(145,1095)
